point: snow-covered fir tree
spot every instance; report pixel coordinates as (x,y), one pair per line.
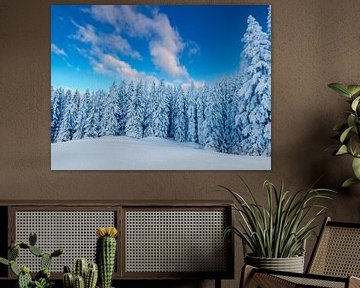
(85,102)
(109,121)
(135,111)
(191,114)
(254,108)
(160,116)
(68,121)
(180,116)
(56,113)
(200,113)
(213,128)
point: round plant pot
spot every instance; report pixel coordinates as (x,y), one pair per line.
(291,264)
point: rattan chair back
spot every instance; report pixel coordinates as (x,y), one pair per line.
(337,252)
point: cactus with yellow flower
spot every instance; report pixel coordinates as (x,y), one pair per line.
(106,254)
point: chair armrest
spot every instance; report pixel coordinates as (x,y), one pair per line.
(252,277)
(354,282)
(255,277)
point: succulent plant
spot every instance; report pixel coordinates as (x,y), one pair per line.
(85,275)
(106,254)
(42,278)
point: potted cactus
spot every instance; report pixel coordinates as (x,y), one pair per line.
(42,278)
(106,254)
(85,275)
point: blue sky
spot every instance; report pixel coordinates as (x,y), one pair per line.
(91,46)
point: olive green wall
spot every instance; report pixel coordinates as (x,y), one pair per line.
(314,43)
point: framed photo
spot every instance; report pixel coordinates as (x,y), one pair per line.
(168,87)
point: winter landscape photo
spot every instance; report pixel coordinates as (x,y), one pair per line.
(175,87)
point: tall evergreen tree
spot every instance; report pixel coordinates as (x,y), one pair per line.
(254,112)
(213,128)
(135,119)
(180,116)
(191,114)
(122,98)
(84,106)
(200,108)
(160,116)
(56,113)
(67,127)
(109,123)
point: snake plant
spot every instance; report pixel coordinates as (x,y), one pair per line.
(279,228)
(348,132)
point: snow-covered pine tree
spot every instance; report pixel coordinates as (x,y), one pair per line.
(101,94)
(179,115)
(109,122)
(170,92)
(200,108)
(92,122)
(135,112)
(56,110)
(67,127)
(214,122)
(85,103)
(160,116)
(254,112)
(89,114)
(191,114)
(122,99)
(150,106)
(236,136)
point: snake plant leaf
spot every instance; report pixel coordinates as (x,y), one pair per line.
(353,89)
(345,134)
(340,88)
(355,103)
(349,182)
(356,167)
(342,150)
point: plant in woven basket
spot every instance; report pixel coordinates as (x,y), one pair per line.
(348,132)
(42,278)
(280,228)
(106,254)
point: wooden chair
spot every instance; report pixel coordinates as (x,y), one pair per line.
(335,262)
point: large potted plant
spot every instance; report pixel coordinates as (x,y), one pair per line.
(275,233)
(348,133)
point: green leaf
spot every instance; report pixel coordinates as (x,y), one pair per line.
(355,103)
(345,134)
(340,88)
(349,182)
(342,150)
(351,120)
(356,167)
(353,89)
(4,261)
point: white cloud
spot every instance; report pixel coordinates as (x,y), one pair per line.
(165,43)
(107,42)
(56,50)
(110,65)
